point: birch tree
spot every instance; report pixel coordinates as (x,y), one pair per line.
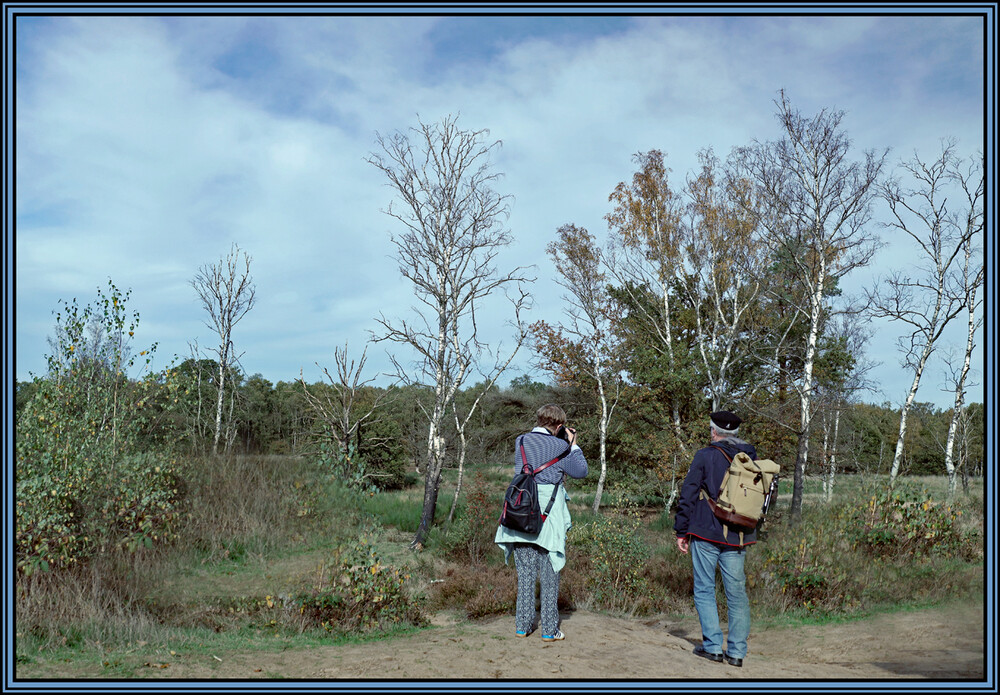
(814,211)
(929,294)
(337,407)
(227,293)
(462,420)
(453,228)
(972,183)
(583,348)
(725,278)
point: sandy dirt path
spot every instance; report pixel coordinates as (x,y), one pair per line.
(940,643)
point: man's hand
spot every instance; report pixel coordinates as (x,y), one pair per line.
(682,544)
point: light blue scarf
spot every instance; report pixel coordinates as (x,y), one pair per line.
(552,537)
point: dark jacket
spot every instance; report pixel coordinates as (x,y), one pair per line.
(694,516)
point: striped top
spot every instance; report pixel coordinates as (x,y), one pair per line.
(540,447)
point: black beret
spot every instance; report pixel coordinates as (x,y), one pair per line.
(726,420)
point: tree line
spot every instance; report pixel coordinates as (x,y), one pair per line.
(278,419)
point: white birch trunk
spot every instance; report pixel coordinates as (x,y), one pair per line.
(673,493)
(603,431)
(833,457)
(218,407)
(805,398)
(826,454)
(949,460)
(897,456)
(461,467)
(675,407)
(230,422)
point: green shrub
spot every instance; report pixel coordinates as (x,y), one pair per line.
(358,592)
(616,555)
(370,472)
(811,565)
(471,537)
(64,519)
(906,524)
(877,548)
(83,483)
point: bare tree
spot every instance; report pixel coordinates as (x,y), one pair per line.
(337,408)
(926,300)
(227,293)
(461,422)
(814,210)
(453,231)
(972,183)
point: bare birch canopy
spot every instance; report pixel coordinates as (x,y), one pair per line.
(453,230)
(227,293)
(926,298)
(813,208)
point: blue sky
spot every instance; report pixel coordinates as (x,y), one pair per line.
(147,145)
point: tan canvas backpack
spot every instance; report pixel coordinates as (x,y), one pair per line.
(746,493)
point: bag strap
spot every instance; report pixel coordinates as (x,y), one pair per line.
(704,493)
(548,507)
(526,469)
(711,503)
(719,448)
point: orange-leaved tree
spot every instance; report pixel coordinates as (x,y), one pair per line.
(645,260)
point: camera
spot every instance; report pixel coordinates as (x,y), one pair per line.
(563,433)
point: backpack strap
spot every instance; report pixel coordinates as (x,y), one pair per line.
(526,468)
(711,503)
(548,507)
(719,448)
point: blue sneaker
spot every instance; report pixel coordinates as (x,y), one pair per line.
(520,633)
(554,638)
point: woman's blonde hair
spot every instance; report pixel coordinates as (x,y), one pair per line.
(551,415)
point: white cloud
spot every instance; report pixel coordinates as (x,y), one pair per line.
(146,147)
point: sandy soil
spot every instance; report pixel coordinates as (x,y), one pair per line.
(940,643)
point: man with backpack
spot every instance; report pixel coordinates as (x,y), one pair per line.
(551,449)
(714,544)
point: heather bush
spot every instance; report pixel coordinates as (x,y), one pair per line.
(875,548)
(616,555)
(479,593)
(357,591)
(906,524)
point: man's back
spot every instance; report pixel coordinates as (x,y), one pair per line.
(694,515)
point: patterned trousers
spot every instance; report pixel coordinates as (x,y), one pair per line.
(533,565)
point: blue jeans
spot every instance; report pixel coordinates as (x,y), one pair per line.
(705,557)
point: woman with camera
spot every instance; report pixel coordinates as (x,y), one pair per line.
(540,557)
